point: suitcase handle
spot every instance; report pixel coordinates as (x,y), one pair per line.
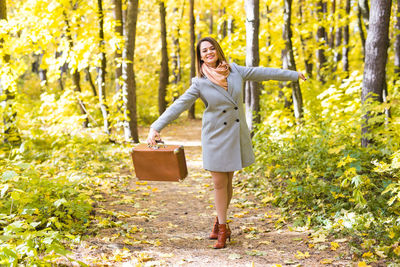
(157,146)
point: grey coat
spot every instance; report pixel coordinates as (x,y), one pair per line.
(225,136)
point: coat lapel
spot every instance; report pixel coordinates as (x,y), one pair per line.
(223,91)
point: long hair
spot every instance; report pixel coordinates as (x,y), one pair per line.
(199,62)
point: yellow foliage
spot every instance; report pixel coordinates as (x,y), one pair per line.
(368,254)
(334,245)
(300,255)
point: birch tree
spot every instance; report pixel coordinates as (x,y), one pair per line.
(128,74)
(252,89)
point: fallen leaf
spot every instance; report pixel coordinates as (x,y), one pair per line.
(362,264)
(326,261)
(334,245)
(368,254)
(396,250)
(234,256)
(300,255)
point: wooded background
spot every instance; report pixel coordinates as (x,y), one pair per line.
(328,145)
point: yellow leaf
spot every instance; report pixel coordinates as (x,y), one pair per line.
(300,255)
(310,245)
(277,265)
(368,254)
(334,245)
(362,264)
(397,251)
(392,234)
(326,261)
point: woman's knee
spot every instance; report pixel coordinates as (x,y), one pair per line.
(220,180)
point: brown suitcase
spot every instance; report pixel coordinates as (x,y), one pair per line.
(159,163)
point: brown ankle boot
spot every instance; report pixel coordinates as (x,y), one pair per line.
(214,233)
(222,236)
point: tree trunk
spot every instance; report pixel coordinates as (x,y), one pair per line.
(346,40)
(101,71)
(321,40)
(361,30)
(76,77)
(397,43)
(128,73)
(289,62)
(332,27)
(222,25)
(42,73)
(191,114)
(375,62)
(90,80)
(119,32)
(337,55)
(308,55)
(211,25)
(268,26)
(252,89)
(164,72)
(11,132)
(364,8)
(176,60)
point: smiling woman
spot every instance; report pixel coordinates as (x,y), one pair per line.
(225,136)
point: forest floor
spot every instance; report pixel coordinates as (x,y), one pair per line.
(166,224)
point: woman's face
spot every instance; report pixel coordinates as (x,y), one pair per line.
(208,53)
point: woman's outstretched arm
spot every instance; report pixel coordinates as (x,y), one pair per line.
(183,103)
(259,74)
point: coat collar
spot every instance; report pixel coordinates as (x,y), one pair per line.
(228,94)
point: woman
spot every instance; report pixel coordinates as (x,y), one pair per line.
(225,136)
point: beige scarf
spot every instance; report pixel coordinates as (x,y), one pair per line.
(217,75)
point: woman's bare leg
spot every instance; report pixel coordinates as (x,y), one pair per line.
(220,180)
(230,189)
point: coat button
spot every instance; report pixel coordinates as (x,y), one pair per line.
(236,108)
(224,111)
(225,123)
(237,120)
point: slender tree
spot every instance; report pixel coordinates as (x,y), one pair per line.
(119,32)
(211,22)
(164,72)
(375,62)
(364,8)
(346,40)
(321,39)
(308,55)
(176,58)
(128,74)
(332,26)
(89,79)
(252,89)
(191,113)
(11,132)
(361,16)
(222,26)
(76,76)
(101,71)
(36,68)
(397,43)
(337,55)
(288,60)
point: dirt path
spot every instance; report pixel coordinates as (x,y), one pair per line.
(167,224)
